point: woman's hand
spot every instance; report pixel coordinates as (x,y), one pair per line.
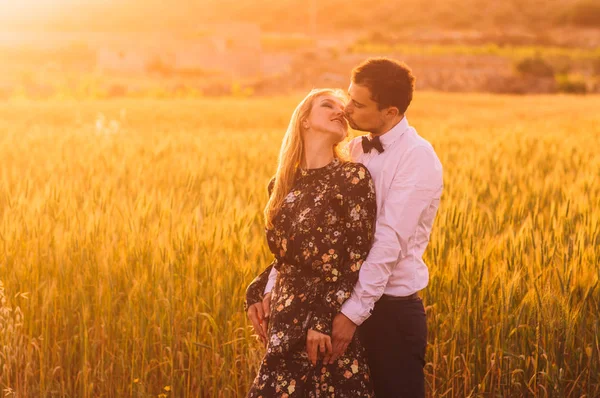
(317,343)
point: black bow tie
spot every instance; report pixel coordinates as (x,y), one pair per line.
(368,144)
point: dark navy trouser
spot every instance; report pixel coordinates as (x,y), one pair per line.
(395,337)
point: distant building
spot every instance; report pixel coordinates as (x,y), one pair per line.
(232,49)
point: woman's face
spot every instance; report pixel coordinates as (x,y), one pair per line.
(327,117)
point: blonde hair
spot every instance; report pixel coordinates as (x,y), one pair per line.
(292,152)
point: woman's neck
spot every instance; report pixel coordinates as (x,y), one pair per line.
(317,154)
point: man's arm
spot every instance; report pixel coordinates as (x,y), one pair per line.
(258,298)
(414,187)
(266,302)
(272,276)
(416,184)
(271,281)
(254,304)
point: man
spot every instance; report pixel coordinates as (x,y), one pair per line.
(408,182)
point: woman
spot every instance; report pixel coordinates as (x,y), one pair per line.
(319,224)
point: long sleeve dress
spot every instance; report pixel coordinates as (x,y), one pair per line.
(320,237)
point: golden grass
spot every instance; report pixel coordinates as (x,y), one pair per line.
(130,229)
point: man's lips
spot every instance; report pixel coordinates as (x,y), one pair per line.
(349,121)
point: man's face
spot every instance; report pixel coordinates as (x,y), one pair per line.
(361,111)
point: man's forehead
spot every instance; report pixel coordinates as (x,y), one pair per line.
(357,91)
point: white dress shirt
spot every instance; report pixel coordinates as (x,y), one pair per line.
(408,186)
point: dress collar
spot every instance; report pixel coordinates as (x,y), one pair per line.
(319,170)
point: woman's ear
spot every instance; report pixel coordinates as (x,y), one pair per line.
(305,125)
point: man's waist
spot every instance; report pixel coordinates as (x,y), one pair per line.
(388,298)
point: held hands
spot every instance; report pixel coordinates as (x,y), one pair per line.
(318,344)
(258,314)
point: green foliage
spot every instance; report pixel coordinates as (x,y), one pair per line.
(535,66)
(571,84)
(515,52)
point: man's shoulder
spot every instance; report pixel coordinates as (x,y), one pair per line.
(354,148)
(419,144)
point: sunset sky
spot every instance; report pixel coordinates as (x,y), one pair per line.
(26,8)
(82,15)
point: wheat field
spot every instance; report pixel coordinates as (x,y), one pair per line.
(129,230)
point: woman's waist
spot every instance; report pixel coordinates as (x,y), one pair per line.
(285,266)
(311,264)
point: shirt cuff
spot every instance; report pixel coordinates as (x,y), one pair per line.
(269,286)
(353,309)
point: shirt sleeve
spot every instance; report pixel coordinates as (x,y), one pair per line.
(271,281)
(416,184)
(359,210)
(254,291)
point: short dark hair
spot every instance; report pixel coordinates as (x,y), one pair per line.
(391,82)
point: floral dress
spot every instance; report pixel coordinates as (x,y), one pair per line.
(320,238)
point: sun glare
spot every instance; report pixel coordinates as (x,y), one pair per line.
(28,9)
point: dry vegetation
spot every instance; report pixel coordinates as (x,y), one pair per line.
(129,230)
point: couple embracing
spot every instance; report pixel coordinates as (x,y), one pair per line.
(338,308)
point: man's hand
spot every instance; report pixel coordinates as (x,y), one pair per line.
(258,313)
(316,341)
(342,332)
(260,321)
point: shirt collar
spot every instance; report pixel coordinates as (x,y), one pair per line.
(388,138)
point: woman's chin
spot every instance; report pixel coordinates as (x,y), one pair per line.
(338,136)
(341,137)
